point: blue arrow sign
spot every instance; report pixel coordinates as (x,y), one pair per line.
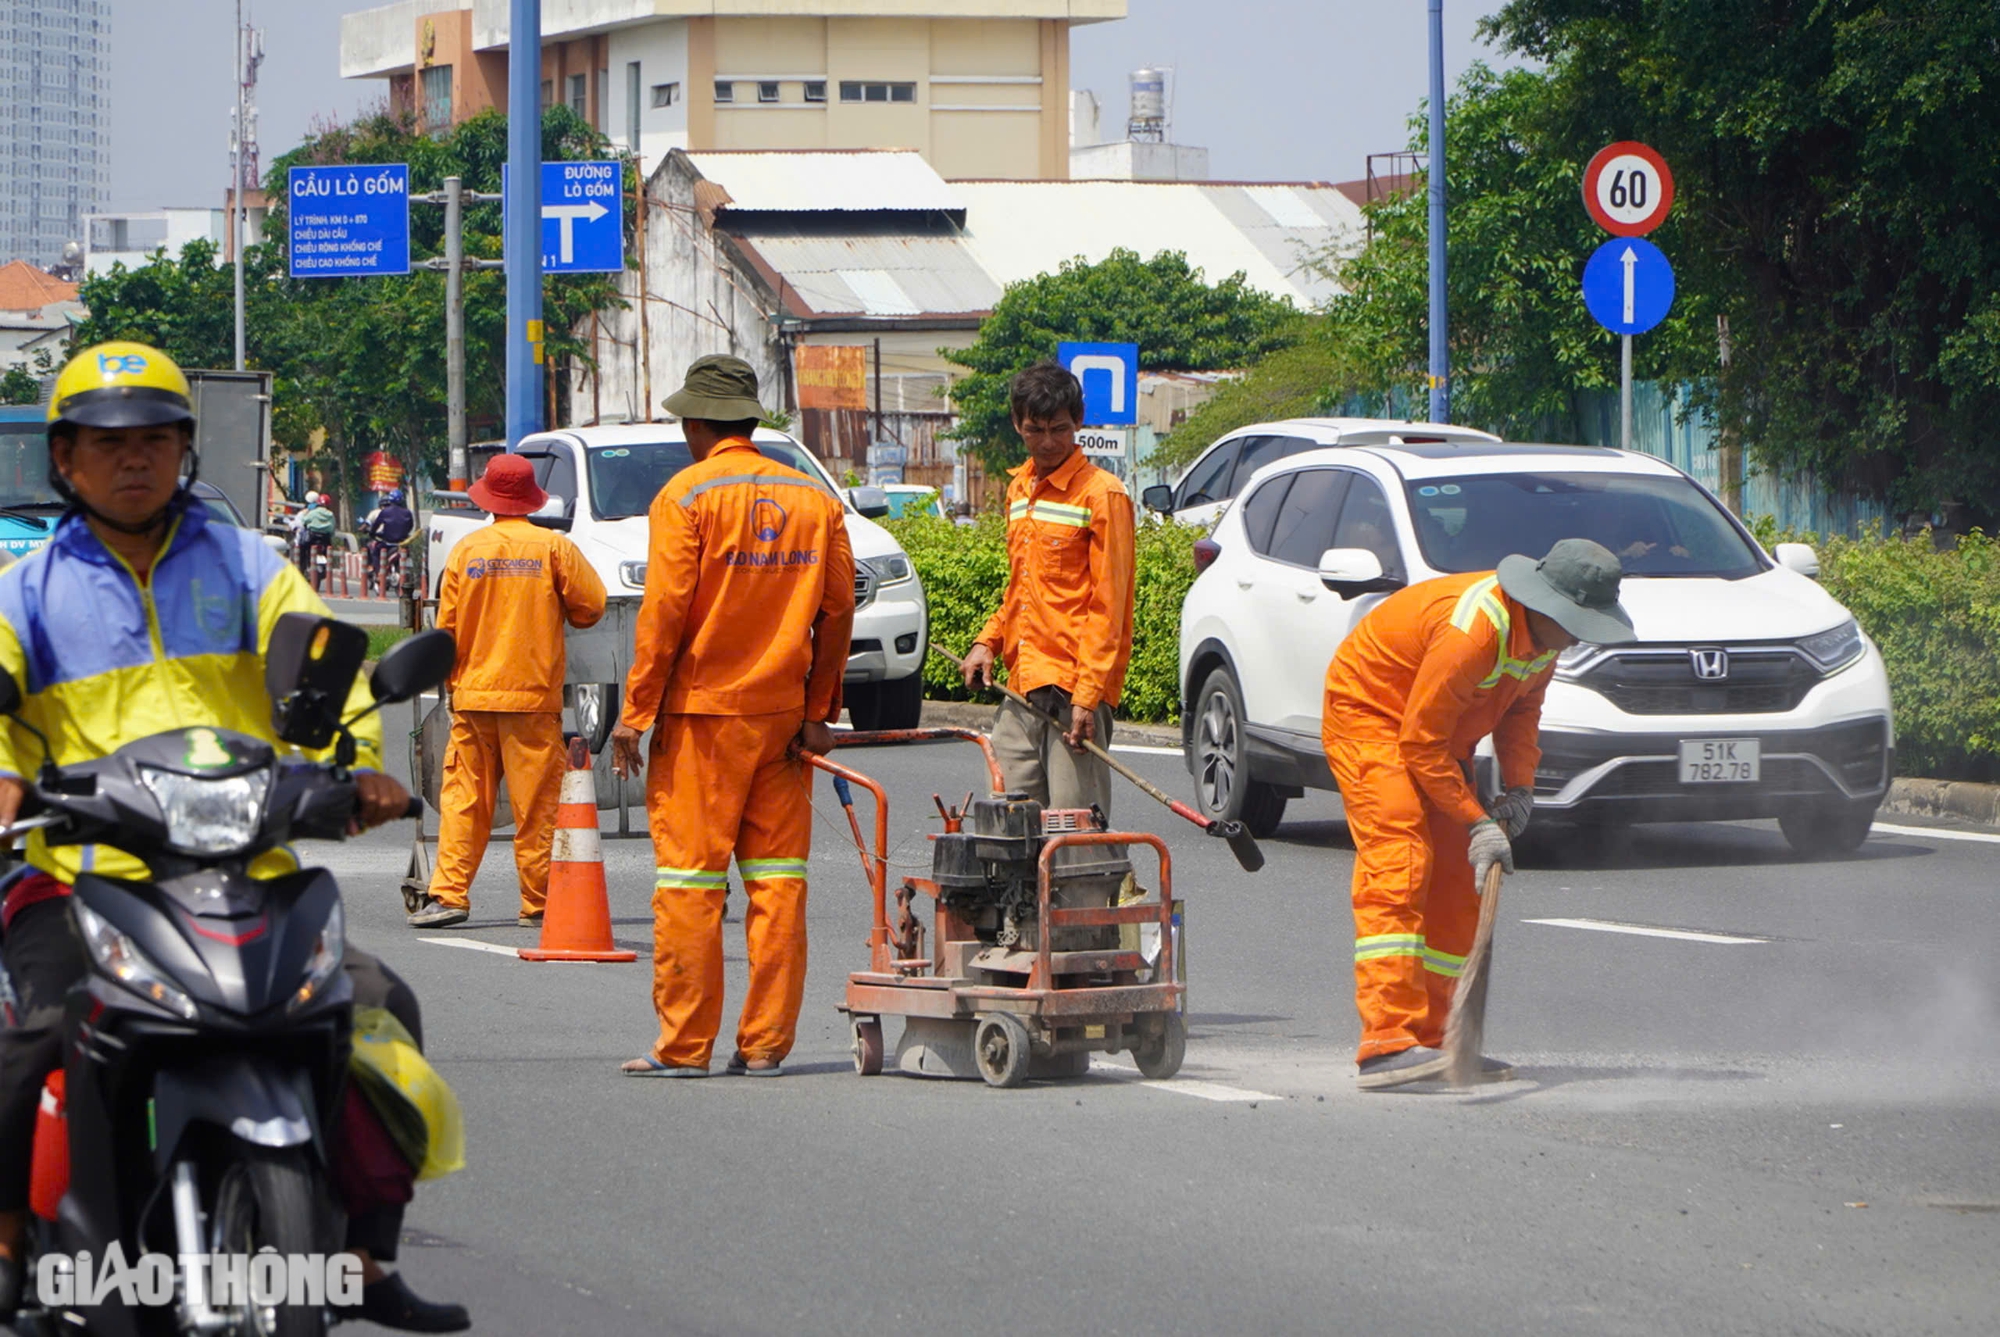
(1628,285)
(1110,377)
(349,222)
(583,217)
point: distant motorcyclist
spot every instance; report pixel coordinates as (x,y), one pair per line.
(388,527)
(140,615)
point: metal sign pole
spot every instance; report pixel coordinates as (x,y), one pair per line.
(454,264)
(1625,393)
(1440,405)
(524,220)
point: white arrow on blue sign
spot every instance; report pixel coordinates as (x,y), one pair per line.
(583,217)
(1628,285)
(1109,374)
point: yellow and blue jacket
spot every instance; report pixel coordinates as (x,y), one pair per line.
(104,657)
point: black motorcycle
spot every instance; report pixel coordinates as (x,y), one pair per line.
(206,1051)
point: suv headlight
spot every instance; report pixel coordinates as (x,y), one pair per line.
(1573,662)
(1834,648)
(633,574)
(120,958)
(205,816)
(327,954)
(891,570)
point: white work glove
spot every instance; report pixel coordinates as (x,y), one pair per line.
(1512,810)
(1489,846)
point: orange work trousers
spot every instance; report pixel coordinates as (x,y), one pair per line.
(718,785)
(526,748)
(1415,908)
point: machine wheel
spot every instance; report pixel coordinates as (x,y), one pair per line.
(1001,1047)
(1159,1056)
(271,1199)
(897,703)
(868,1046)
(1834,828)
(1222,784)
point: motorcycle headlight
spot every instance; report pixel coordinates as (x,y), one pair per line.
(327,954)
(891,570)
(1834,648)
(120,958)
(205,816)
(633,574)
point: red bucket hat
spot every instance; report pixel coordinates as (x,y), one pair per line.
(508,487)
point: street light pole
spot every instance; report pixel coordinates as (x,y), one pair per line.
(523,232)
(236,194)
(454,264)
(1440,378)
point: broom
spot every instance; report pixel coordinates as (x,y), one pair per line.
(1465,1029)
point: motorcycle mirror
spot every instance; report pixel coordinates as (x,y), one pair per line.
(309,666)
(414,665)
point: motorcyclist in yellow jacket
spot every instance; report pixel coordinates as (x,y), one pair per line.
(141,614)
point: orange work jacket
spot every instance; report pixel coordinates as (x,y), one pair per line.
(1435,668)
(1066,619)
(507,591)
(749,594)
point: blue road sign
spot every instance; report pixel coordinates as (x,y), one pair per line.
(583,217)
(1628,285)
(349,222)
(1110,377)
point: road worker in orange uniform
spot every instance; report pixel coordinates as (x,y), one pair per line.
(741,646)
(507,591)
(1426,675)
(1064,626)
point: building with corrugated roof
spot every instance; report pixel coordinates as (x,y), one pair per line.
(757,254)
(37,310)
(978,87)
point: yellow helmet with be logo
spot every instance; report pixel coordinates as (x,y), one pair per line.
(120,384)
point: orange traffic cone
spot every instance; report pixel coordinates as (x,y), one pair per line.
(576,923)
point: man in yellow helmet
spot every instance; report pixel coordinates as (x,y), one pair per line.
(140,615)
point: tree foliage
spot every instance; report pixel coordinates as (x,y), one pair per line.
(19,386)
(363,358)
(1311,378)
(1838,199)
(1180,322)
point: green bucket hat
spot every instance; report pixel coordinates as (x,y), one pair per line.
(1577,585)
(719,388)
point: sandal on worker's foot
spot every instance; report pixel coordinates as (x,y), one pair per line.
(1494,1070)
(1417,1064)
(529,919)
(763,1067)
(649,1066)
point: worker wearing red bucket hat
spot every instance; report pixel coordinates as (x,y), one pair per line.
(507,591)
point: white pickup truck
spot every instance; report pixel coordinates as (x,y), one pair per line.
(600,482)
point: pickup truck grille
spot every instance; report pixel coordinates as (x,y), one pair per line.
(864,586)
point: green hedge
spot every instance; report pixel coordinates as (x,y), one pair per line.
(964,570)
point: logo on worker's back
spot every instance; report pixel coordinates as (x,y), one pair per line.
(481,567)
(767,519)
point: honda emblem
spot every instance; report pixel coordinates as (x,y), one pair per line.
(1710,665)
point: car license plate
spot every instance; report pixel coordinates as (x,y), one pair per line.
(1719,761)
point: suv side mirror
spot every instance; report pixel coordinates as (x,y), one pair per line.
(1159,497)
(551,514)
(413,665)
(872,502)
(1351,571)
(1798,557)
(309,665)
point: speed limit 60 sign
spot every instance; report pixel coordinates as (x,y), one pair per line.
(1628,189)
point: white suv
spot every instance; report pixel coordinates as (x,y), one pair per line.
(1750,693)
(1207,486)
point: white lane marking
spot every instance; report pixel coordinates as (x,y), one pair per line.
(474,945)
(1190,1086)
(1935,833)
(1644,931)
(1146,751)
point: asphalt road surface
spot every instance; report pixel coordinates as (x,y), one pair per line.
(1756,1095)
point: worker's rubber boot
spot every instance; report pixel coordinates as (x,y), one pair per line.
(1416,1064)
(436,914)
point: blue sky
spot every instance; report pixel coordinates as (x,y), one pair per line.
(1281,90)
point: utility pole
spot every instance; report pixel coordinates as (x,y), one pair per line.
(243,154)
(523,233)
(1440,378)
(454,264)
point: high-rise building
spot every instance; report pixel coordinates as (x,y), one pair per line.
(55,123)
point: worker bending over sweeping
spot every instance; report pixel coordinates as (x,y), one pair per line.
(1064,626)
(506,593)
(741,646)
(1432,670)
